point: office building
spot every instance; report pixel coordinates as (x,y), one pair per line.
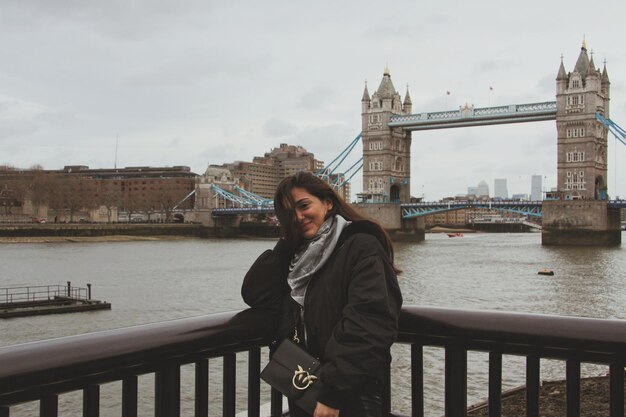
(262,175)
(500,190)
(535,188)
(483,189)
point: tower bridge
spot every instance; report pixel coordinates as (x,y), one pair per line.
(581,213)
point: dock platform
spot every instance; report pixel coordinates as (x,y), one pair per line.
(47,299)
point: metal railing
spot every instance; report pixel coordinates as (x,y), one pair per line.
(42,370)
(13,295)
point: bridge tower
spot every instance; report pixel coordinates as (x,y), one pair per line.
(582,141)
(581,216)
(386,150)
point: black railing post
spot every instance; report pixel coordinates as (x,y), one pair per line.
(276,403)
(456,382)
(495,384)
(49,405)
(532,386)
(69,289)
(616,389)
(89,291)
(230,379)
(167,391)
(91,401)
(202,388)
(254,382)
(417,380)
(572,376)
(129,396)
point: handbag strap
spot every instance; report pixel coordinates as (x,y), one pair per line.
(297,319)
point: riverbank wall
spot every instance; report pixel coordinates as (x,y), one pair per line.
(97,230)
(481,227)
(120,231)
(146,230)
(594,399)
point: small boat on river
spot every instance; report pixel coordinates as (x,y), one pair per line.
(455,234)
(545,271)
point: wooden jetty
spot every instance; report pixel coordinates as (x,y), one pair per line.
(47,299)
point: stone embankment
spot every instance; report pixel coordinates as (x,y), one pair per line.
(80,232)
(594,400)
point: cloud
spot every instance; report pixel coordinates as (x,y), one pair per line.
(278,128)
(547,83)
(316,98)
(327,140)
(231,80)
(492,66)
(19,118)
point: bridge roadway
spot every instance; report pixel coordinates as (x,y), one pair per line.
(527,208)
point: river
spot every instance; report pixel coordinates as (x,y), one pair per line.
(161,280)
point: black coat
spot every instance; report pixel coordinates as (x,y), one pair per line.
(351,308)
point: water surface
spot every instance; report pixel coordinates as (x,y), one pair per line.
(162,280)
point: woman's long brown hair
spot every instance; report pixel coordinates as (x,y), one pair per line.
(284,206)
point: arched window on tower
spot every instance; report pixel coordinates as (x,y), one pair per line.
(397,166)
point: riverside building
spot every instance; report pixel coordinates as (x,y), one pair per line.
(262,175)
(79,193)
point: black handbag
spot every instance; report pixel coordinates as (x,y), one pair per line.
(294,373)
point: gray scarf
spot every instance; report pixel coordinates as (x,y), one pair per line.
(313,255)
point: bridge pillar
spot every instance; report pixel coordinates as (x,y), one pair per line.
(386,150)
(389,216)
(581,216)
(581,139)
(580,223)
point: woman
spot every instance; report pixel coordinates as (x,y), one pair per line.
(332,284)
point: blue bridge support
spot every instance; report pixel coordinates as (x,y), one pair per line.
(526,208)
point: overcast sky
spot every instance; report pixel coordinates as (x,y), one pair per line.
(204,82)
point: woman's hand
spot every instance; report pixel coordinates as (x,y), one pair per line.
(322,410)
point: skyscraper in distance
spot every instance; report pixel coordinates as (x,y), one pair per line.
(535,188)
(500,190)
(483,189)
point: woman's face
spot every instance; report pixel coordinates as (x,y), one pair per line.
(310,211)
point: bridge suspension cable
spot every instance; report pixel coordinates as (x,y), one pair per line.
(614,128)
(348,174)
(341,179)
(261,201)
(327,171)
(232,197)
(183,200)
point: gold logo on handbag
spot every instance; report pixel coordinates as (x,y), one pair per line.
(302,379)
